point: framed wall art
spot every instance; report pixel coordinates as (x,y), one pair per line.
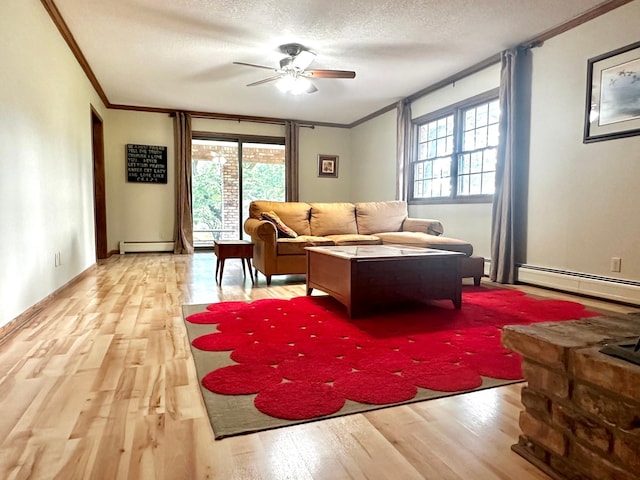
(328,166)
(613,95)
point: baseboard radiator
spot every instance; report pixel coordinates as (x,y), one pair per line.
(619,290)
(145,247)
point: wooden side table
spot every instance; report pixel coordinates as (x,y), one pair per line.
(241,249)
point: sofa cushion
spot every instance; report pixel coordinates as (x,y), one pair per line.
(283,229)
(355,239)
(332,219)
(374,217)
(294,214)
(296,246)
(419,239)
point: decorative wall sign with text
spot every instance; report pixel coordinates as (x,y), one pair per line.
(146,163)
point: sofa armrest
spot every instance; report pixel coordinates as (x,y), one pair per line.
(261,229)
(424,225)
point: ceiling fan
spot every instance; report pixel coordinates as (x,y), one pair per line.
(292,76)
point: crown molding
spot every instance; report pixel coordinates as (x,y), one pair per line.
(536,41)
(57,19)
(59,22)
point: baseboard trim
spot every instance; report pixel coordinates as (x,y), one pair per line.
(616,289)
(22,320)
(145,247)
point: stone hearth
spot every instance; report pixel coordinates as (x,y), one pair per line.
(582,407)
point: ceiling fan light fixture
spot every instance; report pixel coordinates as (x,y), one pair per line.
(294,84)
(293,76)
(285,63)
(285,83)
(301,85)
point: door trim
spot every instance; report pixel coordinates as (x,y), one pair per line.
(99,185)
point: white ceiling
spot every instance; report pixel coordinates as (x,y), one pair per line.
(178,54)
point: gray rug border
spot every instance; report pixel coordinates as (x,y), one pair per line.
(242,414)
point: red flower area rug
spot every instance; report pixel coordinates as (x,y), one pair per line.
(273,362)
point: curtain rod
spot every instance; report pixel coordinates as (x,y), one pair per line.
(242,118)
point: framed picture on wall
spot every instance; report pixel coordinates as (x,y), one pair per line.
(328,166)
(613,95)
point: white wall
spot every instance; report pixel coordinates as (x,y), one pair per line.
(46,166)
(583,198)
(138,212)
(374,165)
(480,82)
(326,141)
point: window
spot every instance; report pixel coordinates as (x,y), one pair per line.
(456,152)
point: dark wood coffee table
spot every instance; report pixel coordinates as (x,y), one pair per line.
(365,277)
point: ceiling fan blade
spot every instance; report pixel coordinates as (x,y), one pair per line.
(303,59)
(265,80)
(254,65)
(331,73)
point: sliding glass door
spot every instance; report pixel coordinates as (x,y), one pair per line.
(227,174)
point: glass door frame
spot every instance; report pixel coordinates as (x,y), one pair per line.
(240,139)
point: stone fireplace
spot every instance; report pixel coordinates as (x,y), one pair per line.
(582,407)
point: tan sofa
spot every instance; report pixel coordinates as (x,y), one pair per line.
(320,224)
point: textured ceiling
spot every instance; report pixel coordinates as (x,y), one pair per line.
(178,54)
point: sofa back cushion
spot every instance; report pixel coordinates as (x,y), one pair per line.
(294,215)
(377,217)
(332,219)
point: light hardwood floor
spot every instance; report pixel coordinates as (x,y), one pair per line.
(100,385)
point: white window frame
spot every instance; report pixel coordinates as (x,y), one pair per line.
(446,172)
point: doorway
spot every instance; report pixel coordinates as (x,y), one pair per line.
(227,174)
(99,193)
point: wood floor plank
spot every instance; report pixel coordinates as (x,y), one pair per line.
(77,459)
(101,385)
(356,447)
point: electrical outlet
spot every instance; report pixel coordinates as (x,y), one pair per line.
(56,259)
(616,264)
